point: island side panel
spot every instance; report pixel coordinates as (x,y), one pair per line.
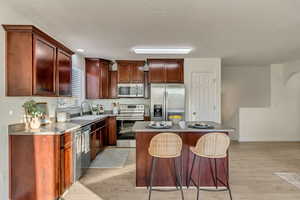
(164,173)
(190,139)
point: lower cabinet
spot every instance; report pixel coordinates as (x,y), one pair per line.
(93,144)
(97,138)
(66,162)
(40,166)
(112,130)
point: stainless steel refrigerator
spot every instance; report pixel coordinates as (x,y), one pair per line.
(167,100)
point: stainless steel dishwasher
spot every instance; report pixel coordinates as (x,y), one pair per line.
(86,152)
(82,153)
(77,154)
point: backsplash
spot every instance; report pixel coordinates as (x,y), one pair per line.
(107,103)
(13,111)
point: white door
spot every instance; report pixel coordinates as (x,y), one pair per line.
(203,97)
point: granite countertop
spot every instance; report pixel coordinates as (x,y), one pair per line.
(56,128)
(142,126)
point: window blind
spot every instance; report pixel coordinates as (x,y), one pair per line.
(77,84)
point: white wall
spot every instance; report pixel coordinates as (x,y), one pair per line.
(212,65)
(243,86)
(280,121)
(7,16)
(11,107)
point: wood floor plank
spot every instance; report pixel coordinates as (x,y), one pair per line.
(252,168)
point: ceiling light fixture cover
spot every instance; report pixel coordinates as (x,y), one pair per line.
(80,50)
(162,51)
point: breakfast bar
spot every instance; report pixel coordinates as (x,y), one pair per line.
(165,174)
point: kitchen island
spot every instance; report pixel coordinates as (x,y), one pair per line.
(164,173)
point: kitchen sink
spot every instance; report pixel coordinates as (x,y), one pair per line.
(88,117)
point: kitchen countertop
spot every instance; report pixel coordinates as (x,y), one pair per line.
(57,128)
(142,126)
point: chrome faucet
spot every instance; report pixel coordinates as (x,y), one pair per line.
(82,104)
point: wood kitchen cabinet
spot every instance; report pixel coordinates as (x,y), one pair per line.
(113,83)
(97,78)
(93,144)
(92,70)
(130,71)
(137,72)
(66,170)
(166,70)
(157,72)
(44,62)
(40,166)
(103,133)
(36,64)
(112,130)
(104,72)
(97,138)
(123,72)
(64,70)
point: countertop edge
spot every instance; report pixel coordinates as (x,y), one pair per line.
(182,130)
(56,129)
(141,127)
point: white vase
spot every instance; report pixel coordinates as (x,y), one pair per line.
(35,123)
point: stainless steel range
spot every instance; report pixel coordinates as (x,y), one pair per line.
(133,112)
(128,115)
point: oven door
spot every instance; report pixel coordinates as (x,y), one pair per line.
(124,130)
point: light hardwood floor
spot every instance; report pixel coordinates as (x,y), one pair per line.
(251,176)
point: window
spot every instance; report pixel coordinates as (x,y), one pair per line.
(77,85)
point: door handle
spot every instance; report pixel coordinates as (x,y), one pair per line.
(194,113)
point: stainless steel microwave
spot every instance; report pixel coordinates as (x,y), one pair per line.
(130,90)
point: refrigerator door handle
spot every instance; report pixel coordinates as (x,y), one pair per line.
(166,105)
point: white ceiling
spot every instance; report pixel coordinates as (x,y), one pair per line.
(241,32)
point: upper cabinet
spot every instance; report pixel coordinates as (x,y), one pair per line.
(44,62)
(130,71)
(92,73)
(36,64)
(165,70)
(123,72)
(98,83)
(113,81)
(104,73)
(64,70)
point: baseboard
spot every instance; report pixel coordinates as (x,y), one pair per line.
(267,140)
(126,143)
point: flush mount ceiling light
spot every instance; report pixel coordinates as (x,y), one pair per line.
(162,51)
(80,50)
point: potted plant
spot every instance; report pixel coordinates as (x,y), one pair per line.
(33,114)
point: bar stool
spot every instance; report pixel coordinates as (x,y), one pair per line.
(165,145)
(212,146)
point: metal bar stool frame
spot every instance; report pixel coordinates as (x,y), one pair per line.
(214,176)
